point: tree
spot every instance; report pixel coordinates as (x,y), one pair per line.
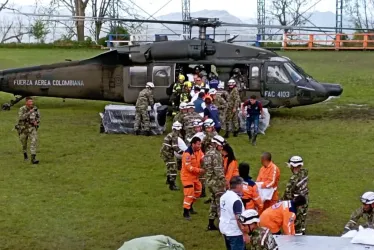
(361,13)
(100,9)
(76,8)
(39,30)
(289,12)
(114,30)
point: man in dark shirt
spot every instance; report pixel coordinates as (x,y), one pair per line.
(254,110)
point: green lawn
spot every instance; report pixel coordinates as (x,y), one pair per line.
(95,191)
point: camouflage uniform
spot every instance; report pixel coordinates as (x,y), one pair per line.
(221,104)
(215,179)
(298,185)
(356,215)
(223,93)
(170,145)
(145,99)
(207,144)
(187,123)
(232,117)
(27,129)
(262,239)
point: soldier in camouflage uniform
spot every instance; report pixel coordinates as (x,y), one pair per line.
(145,99)
(27,127)
(188,121)
(215,178)
(168,148)
(258,238)
(366,212)
(224,95)
(298,185)
(221,104)
(233,104)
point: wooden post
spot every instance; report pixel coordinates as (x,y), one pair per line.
(337,42)
(365,43)
(310,43)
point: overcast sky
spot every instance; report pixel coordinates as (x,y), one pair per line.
(239,8)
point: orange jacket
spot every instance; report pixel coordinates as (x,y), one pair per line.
(269,175)
(230,170)
(251,197)
(280,215)
(191,165)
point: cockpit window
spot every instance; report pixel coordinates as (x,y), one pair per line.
(276,75)
(293,73)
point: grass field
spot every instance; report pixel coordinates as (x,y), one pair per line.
(95,191)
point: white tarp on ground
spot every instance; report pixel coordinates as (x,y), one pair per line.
(157,242)
(362,236)
(119,119)
(307,242)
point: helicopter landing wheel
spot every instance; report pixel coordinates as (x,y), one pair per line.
(6,107)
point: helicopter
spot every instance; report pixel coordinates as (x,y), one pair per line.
(120,74)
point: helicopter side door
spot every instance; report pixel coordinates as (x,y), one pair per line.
(277,86)
(163,76)
(254,77)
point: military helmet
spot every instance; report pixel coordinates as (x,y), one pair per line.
(209,123)
(150,85)
(236,71)
(218,140)
(249,216)
(367,198)
(177,125)
(295,161)
(197,123)
(183,105)
(231,83)
(212,92)
(190,105)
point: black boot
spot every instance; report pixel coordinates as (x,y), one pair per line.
(167,180)
(186,214)
(249,135)
(137,132)
(254,139)
(25,156)
(203,194)
(192,211)
(227,134)
(211,226)
(33,160)
(172,186)
(236,134)
(148,133)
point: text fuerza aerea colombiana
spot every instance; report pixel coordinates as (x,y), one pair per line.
(77,83)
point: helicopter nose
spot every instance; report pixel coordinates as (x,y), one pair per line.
(333,89)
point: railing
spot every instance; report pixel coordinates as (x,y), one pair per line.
(290,41)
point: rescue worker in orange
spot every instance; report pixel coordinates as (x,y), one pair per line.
(251,197)
(191,162)
(230,164)
(282,215)
(269,175)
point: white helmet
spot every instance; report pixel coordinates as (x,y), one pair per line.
(231,82)
(221,85)
(368,198)
(249,216)
(190,105)
(219,140)
(183,105)
(209,123)
(197,123)
(150,85)
(212,91)
(295,161)
(177,125)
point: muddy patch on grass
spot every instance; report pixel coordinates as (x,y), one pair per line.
(316,216)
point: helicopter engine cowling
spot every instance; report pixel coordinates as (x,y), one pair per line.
(195,49)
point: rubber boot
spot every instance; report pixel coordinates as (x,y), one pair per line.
(192,211)
(25,156)
(148,133)
(249,135)
(186,214)
(203,194)
(254,140)
(236,134)
(167,180)
(172,186)
(137,132)
(211,226)
(227,134)
(33,160)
